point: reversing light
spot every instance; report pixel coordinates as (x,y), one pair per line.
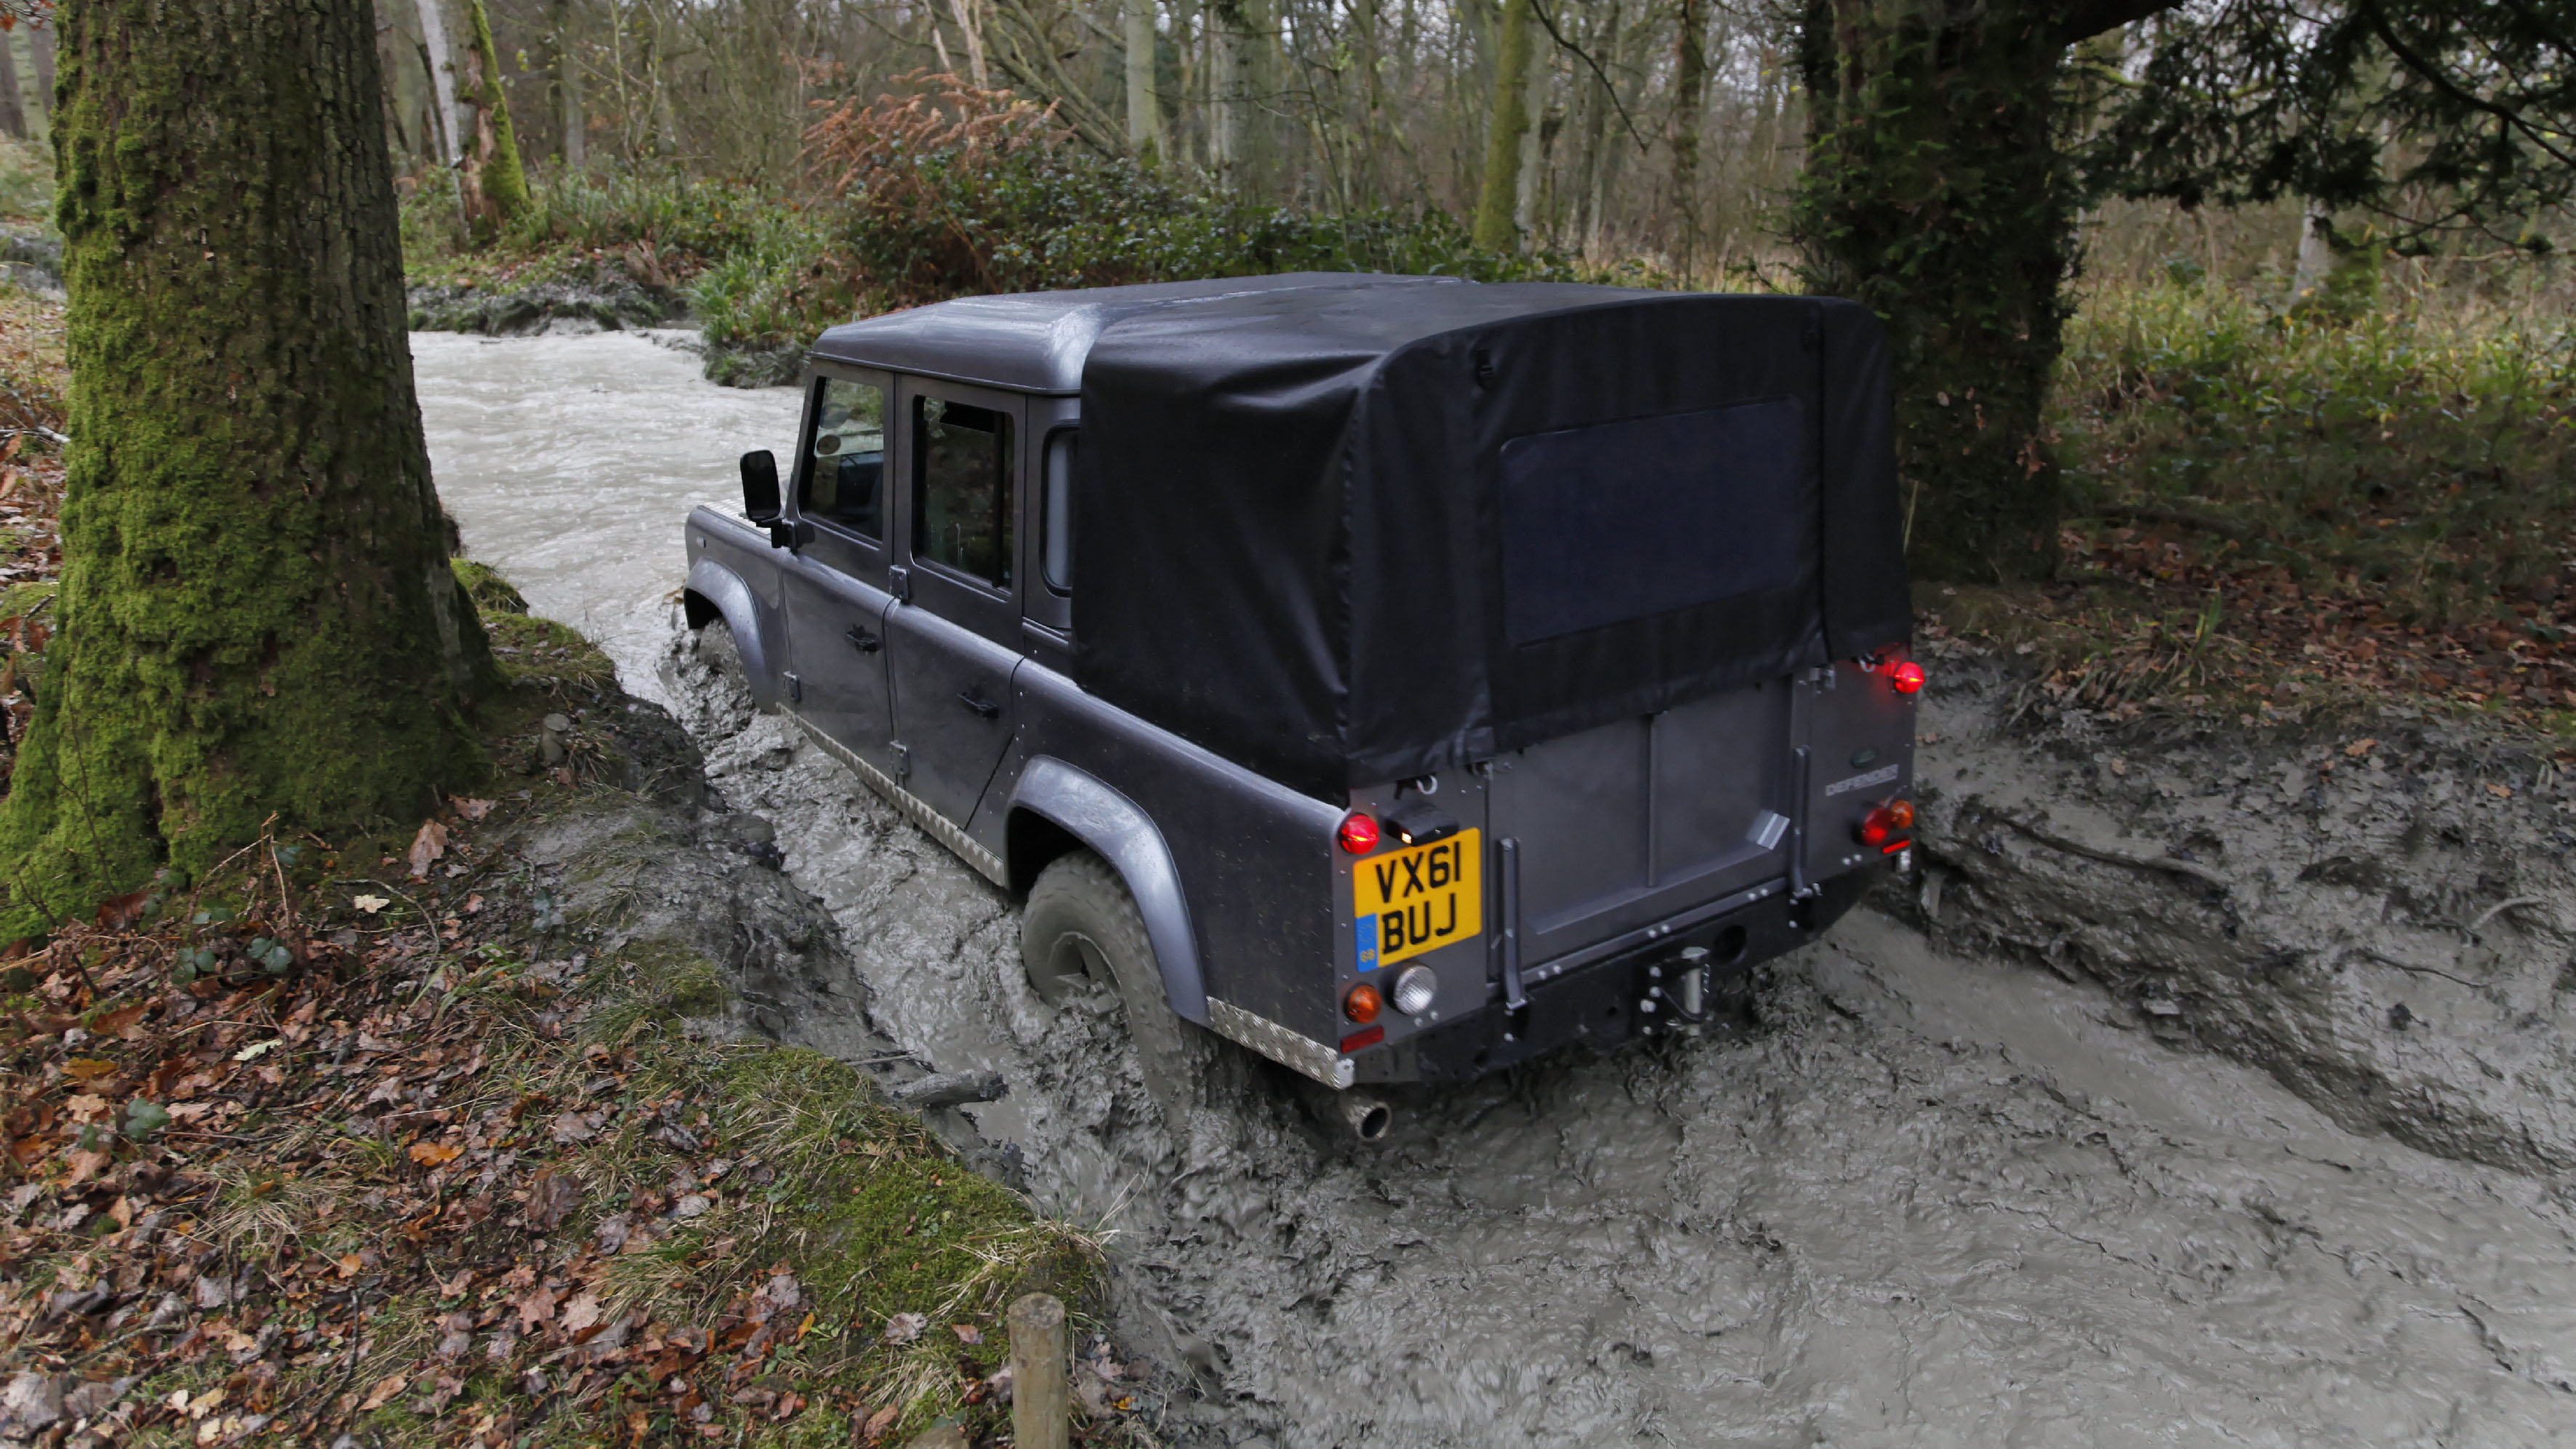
(1362,1004)
(1906,677)
(1358,835)
(1414,988)
(1886,823)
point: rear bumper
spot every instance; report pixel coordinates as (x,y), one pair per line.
(1608,1002)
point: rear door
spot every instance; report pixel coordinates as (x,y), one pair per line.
(1633,821)
(836,596)
(950,637)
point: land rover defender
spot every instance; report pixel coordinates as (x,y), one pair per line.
(1397,676)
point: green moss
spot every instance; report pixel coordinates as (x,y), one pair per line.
(664,984)
(491,593)
(505,184)
(540,653)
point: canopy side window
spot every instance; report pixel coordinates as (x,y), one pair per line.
(844,482)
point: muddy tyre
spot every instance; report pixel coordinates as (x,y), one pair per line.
(1081,926)
(710,687)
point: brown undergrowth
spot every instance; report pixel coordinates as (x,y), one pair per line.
(376,1137)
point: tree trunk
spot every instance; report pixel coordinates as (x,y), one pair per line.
(1232,25)
(1690,98)
(1934,192)
(1144,110)
(442,81)
(40,48)
(496,189)
(1529,190)
(974,35)
(1498,195)
(13,99)
(257,613)
(576,121)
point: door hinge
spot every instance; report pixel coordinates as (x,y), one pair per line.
(795,689)
(899,583)
(902,760)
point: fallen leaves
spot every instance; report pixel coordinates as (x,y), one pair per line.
(171,1190)
(436,1154)
(552,1197)
(536,1305)
(427,848)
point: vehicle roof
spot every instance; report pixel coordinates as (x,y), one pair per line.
(1038,341)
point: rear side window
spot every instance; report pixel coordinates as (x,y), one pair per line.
(1622,521)
(846,482)
(962,465)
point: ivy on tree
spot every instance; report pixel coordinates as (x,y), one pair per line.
(1951,145)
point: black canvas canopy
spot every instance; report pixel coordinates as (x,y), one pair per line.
(1352,534)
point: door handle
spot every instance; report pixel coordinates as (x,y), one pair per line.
(984,708)
(867,643)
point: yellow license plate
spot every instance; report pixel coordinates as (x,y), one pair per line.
(1406,902)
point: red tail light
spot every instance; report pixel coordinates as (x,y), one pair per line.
(1906,677)
(1886,823)
(1358,834)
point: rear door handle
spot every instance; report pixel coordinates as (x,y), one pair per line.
(867,643)
(984,708)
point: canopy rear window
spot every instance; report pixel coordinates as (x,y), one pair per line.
(1626,520)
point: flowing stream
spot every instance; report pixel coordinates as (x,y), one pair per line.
(1930,1201)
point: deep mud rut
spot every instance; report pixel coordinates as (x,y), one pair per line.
(1937,1196)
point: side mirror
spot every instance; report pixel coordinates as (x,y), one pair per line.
(760,499)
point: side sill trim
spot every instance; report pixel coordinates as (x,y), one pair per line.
(1300,1054)
(914,808)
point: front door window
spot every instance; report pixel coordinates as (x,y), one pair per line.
(846,483)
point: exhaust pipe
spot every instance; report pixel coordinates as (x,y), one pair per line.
(1368,1117)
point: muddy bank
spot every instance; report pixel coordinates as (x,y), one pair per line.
(1931,1199)
(2383,918)
(608,301)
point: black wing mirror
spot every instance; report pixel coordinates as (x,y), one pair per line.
(760,486)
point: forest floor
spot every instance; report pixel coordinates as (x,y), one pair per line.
(439,1140)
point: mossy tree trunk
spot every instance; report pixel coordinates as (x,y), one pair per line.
(1936,192)
(257,612)
(1498,198)
(495,186)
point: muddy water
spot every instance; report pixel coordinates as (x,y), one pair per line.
(569,462)
(1929,1201)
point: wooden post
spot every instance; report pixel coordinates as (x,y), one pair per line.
(1041,1402)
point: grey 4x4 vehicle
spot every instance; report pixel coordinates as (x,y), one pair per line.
(1397,676)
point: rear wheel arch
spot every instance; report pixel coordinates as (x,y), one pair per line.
(1058,809)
